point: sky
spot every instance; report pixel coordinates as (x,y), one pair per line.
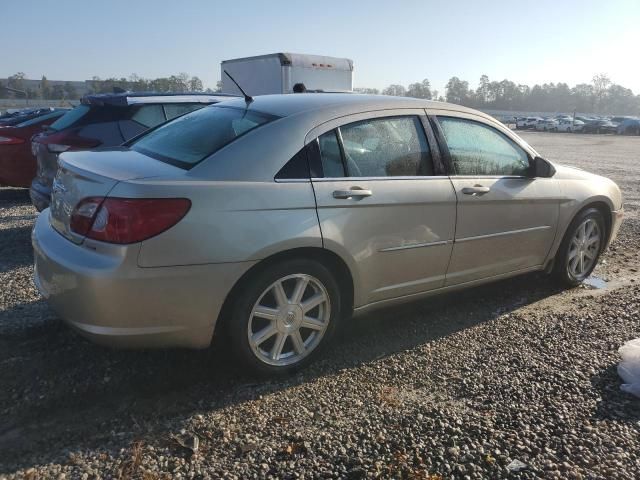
(399,41)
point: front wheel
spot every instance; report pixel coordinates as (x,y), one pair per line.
(284,316)
(580,248)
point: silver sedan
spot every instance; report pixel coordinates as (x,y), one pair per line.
(275,220)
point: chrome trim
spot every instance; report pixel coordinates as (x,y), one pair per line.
(292,180)
(416,245)
(500,234)
(363,179)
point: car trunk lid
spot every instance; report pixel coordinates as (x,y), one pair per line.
(94,174)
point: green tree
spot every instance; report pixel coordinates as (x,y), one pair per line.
(395,90)
(457,91)
(601,83)
(57,92)
(45,88)
(195,85)
(420,90)
(70,91)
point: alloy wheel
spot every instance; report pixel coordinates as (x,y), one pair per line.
(289,320)
(584,249)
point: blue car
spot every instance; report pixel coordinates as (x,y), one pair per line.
(630,126)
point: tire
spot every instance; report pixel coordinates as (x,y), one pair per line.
(286,344)
(568,268)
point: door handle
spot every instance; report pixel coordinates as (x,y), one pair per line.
(476,190)
(355,192)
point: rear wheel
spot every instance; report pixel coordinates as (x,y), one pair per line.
(581,247)
(284,316)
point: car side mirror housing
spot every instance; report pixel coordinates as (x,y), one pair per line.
(541,168)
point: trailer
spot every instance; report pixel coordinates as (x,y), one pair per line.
(280,72)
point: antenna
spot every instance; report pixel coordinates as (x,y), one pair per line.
(247,98)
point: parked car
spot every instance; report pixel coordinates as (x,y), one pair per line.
(630,126)
(105,120)
(279,218)
(23,115)
(569,125)
(17,163)
(547,125)
(599,126)
(527,122)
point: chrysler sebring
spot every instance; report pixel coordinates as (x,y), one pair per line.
(275,219)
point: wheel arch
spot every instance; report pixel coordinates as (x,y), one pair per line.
(325,257)
(603,205)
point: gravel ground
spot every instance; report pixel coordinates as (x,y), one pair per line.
(511,380)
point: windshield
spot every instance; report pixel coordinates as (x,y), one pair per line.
(191,138)
(41,118)
(70,118)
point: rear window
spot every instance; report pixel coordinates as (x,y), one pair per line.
(191,138)
(70,118)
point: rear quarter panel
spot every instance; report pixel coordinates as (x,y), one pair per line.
(229,221)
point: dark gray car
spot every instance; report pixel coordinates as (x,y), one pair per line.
(105,120)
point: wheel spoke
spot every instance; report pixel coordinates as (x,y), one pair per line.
(281,296)
(298,344)
(572,253)
(581,263)
(265,312)
(301,287)
(260,337)
(313,302)
(278,345)
(312,323)
(588,229)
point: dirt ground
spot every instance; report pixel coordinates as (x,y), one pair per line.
(511,380)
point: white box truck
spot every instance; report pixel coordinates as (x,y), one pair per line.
(279,72)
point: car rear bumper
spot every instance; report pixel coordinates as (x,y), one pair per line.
(108,298)
(40,194)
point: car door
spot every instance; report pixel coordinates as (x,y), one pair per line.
(382,204)
(506,219)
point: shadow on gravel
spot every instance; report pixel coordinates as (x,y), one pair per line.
(14,195)
(614,404)
(60,391)
(16,250)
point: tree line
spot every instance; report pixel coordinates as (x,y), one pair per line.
(182,82)
(600,96)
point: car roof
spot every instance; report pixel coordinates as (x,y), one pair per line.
(285,105)
(131,98)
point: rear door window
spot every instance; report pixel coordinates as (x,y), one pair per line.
(330,155)
(386,147)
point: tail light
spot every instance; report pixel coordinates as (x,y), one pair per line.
(67,140)
(126,220)
(57,148)
(10,140)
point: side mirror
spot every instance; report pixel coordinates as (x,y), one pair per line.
(541,168)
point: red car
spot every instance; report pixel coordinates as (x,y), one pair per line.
(17,163)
